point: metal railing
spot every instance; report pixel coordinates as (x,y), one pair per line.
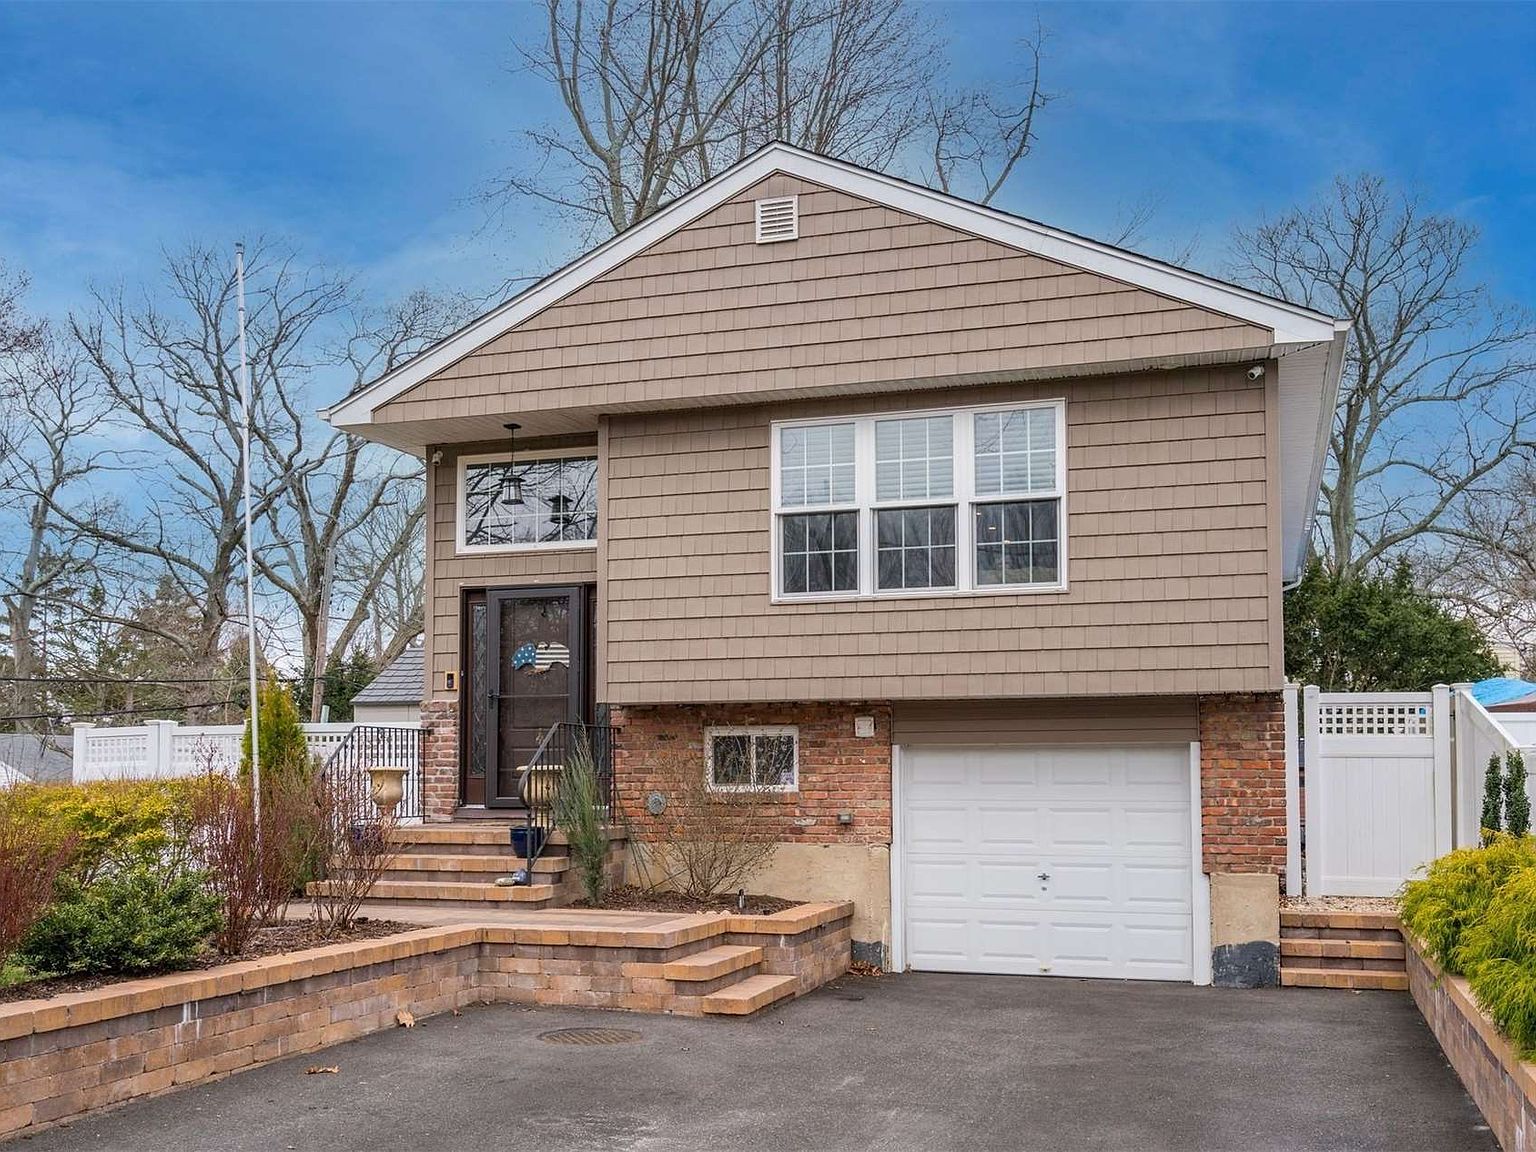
(542,779)
(377,746)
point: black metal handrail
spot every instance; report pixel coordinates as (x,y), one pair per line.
(377,746)
(542,779)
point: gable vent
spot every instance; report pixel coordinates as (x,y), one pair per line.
(778,219)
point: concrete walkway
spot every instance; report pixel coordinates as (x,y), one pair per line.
(913,1062)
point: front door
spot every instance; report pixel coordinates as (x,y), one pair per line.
(530,674)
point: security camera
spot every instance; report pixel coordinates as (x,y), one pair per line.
(1256,372)
(437,456)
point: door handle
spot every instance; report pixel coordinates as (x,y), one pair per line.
(1043,876)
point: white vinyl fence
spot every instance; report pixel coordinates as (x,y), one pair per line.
(161,749)
(1387,782)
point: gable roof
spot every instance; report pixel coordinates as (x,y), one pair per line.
(35,758)
(1309,344)
(401,681)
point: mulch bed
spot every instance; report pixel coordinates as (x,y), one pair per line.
(292,936)
(630,898)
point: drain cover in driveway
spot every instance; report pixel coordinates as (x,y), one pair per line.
(589,1036)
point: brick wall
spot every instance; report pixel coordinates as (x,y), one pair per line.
(1242,783)
(440,755)
(1503,1086)
(839,772)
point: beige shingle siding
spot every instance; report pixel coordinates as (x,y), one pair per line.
(867,296)
(448,574)
(1171,572)
(1118,720)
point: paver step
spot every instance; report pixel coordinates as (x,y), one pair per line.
(1355,978)
(747,996)
(710,964)
(491,866)
(1296,918)
(1344,949)
(466,893)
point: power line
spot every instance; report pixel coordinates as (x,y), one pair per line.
(59,716)
(147,683)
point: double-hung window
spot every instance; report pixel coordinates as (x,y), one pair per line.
(967,500)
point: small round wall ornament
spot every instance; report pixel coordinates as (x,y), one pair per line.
(655,803)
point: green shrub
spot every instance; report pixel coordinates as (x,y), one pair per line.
(132,920)
(1517,805)
(110,823)
(1498,956)
(1492,819)
(1456,892)
(284,750)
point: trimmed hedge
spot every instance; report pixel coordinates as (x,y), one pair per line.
(113,823)
(1475,911)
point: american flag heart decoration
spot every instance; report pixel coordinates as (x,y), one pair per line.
(540,658)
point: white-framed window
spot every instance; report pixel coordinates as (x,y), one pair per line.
(753,759)
(558,507)
(940,502)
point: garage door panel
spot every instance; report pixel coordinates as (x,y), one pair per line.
(939,828)
(1010,826)
(1165,827)
(1008,880)
(941,880)
(1156,888)
(1110,827)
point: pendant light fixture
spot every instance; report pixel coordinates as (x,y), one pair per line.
(511,482)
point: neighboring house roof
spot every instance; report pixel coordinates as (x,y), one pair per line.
(1308,344)
(402,681)
(41,759)
(1500,690)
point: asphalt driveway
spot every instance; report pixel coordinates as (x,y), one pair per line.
(919,1061)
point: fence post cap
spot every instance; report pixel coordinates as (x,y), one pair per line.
(77,725)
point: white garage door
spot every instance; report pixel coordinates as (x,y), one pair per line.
(1072,861)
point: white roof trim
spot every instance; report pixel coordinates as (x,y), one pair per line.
(1290,323)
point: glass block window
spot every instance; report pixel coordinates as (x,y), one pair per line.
(559,502)
(1018,542)
(1016,452)
(819,552)
(752,759)
(915,548)
(914,458)
(816,466)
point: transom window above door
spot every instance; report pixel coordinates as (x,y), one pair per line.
(921,503)
(548,501)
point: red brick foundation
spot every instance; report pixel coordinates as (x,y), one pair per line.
(839,772)
(1242,783)
(440,754)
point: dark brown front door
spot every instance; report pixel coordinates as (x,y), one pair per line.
(530,673)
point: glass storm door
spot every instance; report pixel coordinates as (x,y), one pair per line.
(535,677)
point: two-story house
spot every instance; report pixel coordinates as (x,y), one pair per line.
(965,533)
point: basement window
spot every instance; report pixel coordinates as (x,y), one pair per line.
(752,759)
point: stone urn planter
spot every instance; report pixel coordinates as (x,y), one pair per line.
(537,787)
(387,788)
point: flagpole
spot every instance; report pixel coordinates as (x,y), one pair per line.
(250,563)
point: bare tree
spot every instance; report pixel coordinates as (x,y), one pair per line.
(170,373)
(662,94)
(1430,411)
(344,493)
(48,418)
(1488,568)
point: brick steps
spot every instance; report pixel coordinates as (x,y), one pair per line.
(749,995)
(473,868)
(1358,979)
(710,964)
(450,895)
(1356,950)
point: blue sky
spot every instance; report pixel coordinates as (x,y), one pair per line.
(361,132)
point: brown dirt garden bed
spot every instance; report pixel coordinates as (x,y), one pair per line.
(290,936)
(632,898)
